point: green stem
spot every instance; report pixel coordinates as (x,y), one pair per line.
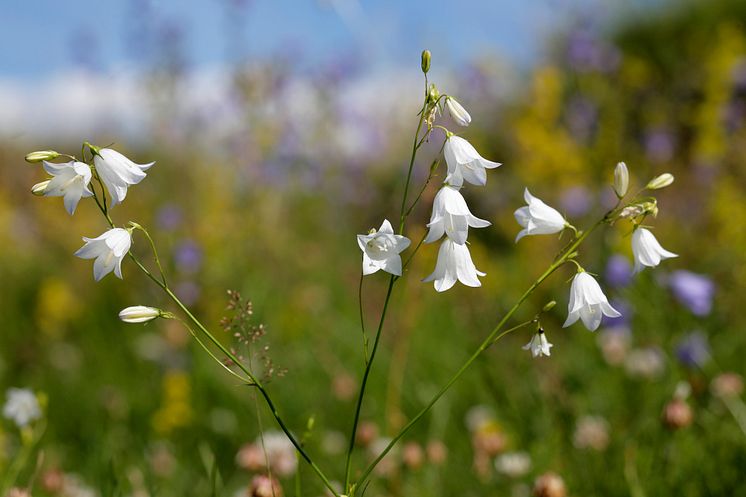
(254,381)
(491,338)
(368,366)
(155,253)
(416,144)
(362,318)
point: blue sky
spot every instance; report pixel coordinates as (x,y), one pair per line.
(42,37)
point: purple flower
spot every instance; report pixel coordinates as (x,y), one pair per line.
(618,271)
(575,201)
(169,217)
(695,291)
(659,145)
(693,350)
(188,256)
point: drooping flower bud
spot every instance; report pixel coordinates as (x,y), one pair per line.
(457,111)
(39,188)
(659,182)
(621,180)
(549,306)
(425,61)
(41,155)
(139,314)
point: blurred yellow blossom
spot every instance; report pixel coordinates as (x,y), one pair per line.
(175,411)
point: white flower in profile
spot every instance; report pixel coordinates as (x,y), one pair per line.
(381,250)
(108,249)
(539,345)
(139,314)
(457,111)
(647,251)
(69,180)
(465,163)
(22,407)
(588,303)
(118,173)
(454,264)
(451,216)
(537,218)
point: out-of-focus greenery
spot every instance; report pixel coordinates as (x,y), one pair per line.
(140,410)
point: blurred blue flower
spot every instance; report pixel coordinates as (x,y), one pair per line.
(695,291)
(618,271)
(169,217)
(188,292)
(659,145)
(693,350)
(575,201)
(188,256)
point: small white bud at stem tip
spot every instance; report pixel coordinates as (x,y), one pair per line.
(39,188)
(621,180)
(661,181)
(41,155)
(139,314)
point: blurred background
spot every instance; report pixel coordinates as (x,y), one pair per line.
(280,130)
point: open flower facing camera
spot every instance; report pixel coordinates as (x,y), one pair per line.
(381,249)
(105,175)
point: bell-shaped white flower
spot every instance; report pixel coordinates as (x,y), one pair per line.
(588,303)
(381,250)
(108,249)
(647,251)
(118,173)
(539,345)
(537,218)
(457,111)
(69,180)
(139,314)
(465,163)
(22,406)
(451,216)
(454,264)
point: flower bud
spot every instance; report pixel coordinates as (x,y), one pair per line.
(659,182)
(139,314)
(621,180)
(549,306)
(41,155)
(425,61)
(457,111)
(39,188)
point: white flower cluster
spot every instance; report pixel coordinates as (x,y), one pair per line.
(587,301)
(451,216)
(72,180)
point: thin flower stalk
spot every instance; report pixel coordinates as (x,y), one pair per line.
(253,381)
